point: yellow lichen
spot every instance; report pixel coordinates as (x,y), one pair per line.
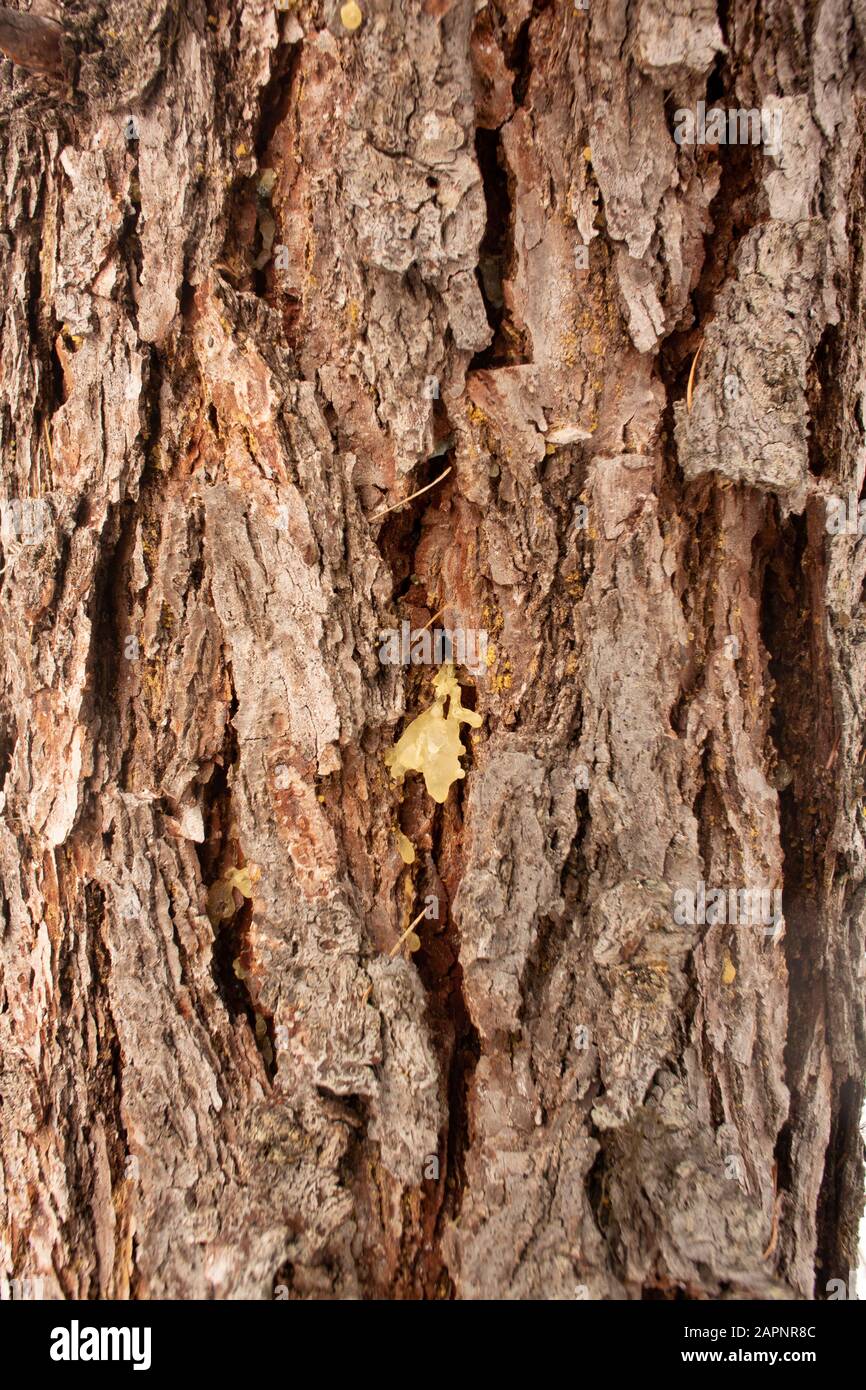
(431,745)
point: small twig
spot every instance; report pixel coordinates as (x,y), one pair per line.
(396,948)
(46,434)
(393,508)
(690,386)
(433,619)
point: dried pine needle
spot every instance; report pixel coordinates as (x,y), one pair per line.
(433,619)
(690,387)
(410,929)
(394,507)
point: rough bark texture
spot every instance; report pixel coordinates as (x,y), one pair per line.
(216,383)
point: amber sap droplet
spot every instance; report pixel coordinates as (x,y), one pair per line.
(351,15)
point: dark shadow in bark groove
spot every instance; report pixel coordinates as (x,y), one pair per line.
(103,692)
(274,107)
(735,209)
(836,1250)
(108,1078)
(826,411)
(401,530)
(218,851)
(457,1045)
(787,644)
(790,560)
(494,256)
(421,1271)
(509,345)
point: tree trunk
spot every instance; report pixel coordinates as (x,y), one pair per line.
(267,273)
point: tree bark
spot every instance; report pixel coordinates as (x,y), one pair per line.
(267,272)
